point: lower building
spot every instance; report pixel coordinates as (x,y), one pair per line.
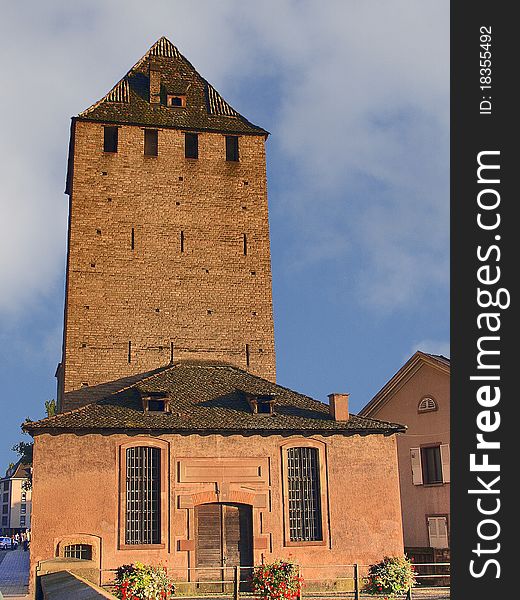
(199,466)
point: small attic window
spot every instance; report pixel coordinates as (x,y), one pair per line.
(427,404)
(262,404)
(157,402)
(156,405)
(176,101)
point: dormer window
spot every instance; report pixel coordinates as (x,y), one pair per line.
(156,402)
(261,404)
(427,404)
(176,101)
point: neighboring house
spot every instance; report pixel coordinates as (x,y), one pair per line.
(418,396)
(15,500)
(172,444)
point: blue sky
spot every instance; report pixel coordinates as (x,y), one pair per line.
(356,97)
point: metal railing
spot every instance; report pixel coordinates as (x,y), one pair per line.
(324,582)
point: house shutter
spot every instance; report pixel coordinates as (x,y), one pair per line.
(445,459)
(415,457)
(438,532)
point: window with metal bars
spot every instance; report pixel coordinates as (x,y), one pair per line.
(303,483)
(143,489)
(81,551)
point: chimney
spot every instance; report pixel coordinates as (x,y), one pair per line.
(155,82)
(338,406)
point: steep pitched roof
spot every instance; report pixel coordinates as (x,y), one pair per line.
(128,102)
(206,398)
(436,361)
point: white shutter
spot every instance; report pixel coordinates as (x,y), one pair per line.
(445,460)
(438,532)
(415,457)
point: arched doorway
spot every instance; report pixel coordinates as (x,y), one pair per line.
(224,539)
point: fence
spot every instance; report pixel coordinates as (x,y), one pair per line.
(328,582)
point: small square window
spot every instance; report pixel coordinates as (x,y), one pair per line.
(23,509)
(110,139)
(176,101)
(191,145)
(232,148)
(151,142)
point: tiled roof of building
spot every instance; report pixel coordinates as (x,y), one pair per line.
(128,102)
(20,470)
(204,398)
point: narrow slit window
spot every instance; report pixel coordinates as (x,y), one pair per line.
(191,145)
(244,243)
(129,352)
(133,239)
(151,142)
(247,355)
(232,148)
(182,241)
(110,139)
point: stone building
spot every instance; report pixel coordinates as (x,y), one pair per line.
(418,396)
(172,443)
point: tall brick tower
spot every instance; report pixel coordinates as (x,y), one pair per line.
(168,245)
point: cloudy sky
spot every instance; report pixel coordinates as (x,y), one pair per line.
(356,96)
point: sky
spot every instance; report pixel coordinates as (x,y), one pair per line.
(355,94)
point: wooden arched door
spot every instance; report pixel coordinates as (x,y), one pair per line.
(224,538)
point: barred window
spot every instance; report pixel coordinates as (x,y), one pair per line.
(81,551)
(143,504)
(303,476)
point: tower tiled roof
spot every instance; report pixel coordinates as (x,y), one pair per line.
(128,102)
(203,398)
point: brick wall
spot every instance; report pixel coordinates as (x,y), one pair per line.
(126,307)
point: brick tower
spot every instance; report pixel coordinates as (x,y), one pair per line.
(168,242)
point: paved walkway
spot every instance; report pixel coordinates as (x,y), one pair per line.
(14,574)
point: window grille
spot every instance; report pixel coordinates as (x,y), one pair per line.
(81,551)
(304,495)
(143,495)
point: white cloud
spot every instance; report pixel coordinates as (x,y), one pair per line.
(361,117)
